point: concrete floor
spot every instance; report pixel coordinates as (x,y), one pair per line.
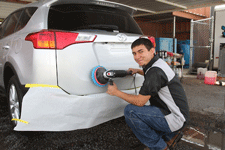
(204,131)
(202,97)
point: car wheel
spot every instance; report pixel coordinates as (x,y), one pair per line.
(14,95)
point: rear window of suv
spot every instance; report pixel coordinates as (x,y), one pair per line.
(73,17)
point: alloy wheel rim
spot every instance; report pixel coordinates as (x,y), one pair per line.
(14,103)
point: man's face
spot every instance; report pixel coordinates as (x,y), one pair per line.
(141,55)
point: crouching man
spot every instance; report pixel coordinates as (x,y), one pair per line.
(158,126)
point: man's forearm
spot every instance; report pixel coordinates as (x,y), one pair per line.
(132,99)
(140,71)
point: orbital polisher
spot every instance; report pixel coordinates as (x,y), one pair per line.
(100,76)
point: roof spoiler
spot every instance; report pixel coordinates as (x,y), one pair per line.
(126,8)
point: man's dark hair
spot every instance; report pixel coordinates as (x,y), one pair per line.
(142,41)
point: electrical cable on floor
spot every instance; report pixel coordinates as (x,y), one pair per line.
(134,83)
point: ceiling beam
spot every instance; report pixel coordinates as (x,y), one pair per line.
(188,15)
(17,1)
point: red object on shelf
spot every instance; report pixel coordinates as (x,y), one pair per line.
(152,39)
(169,54)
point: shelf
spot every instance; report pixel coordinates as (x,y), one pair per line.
(170,58)
(176,32)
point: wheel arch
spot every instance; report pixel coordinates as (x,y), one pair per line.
(9,72)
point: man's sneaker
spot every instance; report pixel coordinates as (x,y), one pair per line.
(172,143)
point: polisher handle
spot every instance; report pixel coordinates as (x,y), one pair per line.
(129,73)
(116,73)
(110,81)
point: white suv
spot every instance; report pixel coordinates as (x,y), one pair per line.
(51,46)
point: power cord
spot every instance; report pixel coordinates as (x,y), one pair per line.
(135,84)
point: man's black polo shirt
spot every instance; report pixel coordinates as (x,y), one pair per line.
(166,92)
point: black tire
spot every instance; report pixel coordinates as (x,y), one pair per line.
(15,96)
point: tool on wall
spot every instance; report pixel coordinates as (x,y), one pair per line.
(100,76)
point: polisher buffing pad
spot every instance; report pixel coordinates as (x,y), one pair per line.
(97,76)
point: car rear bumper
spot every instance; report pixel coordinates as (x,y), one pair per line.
(51,109)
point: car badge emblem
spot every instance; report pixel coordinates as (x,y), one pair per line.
(122,37)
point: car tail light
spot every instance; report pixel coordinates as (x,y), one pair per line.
(57,39)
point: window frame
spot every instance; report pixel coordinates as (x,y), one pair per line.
(16,25)
(10,17)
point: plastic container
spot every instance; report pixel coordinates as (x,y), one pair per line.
(210,77)
(178,72)
(165,44)
(201,73)
(184,48)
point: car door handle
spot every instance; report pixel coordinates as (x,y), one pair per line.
(6,47)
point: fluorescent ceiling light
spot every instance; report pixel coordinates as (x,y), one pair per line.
(171,3)
(145,10)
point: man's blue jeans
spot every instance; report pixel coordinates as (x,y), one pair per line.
(149,125)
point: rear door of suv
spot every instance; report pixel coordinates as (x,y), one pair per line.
(88,36)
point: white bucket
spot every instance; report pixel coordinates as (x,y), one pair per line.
(201,73)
